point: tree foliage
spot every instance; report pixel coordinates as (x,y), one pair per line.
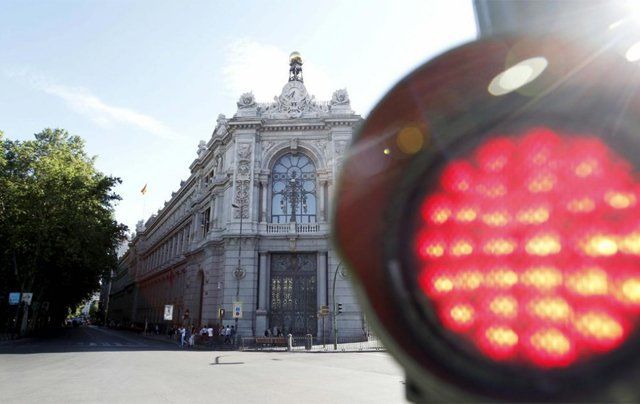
(58,235)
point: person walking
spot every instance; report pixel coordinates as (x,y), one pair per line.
(182,332)
(192,338)
(209,336)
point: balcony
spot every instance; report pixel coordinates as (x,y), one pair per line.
(295,228)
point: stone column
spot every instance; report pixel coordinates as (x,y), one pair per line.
(264,183)
(264,282)
(263,287)
(322,184)
(213,214)
(329,208)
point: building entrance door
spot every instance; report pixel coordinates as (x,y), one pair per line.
(293,293)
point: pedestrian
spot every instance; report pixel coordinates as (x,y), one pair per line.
(267,333)
(192,338)
(157,330)
(182,332)
(227,335)
(187,336)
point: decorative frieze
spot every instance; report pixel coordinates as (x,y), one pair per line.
(244,153)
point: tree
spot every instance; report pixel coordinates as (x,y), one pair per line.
(58,235)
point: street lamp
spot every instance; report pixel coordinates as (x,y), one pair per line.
(238,273)
(335,309)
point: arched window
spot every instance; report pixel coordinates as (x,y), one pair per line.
(293,189)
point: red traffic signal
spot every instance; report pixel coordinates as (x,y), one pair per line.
(489,211)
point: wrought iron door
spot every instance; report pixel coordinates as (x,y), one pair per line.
(294,296)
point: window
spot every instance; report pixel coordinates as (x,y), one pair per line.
(293,189)
(206,221)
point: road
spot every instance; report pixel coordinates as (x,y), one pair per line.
(95,365)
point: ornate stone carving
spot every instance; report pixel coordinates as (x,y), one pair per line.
(322,146)
(293,102)
(218,163)
(247,100)
(244,167)
(243,179)
(140,226)
(339,148)
(242,199)
(340,97)
(221,125)
(266,146)
(202,148)
(244,151)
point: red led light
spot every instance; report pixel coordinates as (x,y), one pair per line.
(530,248)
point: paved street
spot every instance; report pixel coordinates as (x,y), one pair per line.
(90,364)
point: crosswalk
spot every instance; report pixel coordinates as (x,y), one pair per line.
(110,344)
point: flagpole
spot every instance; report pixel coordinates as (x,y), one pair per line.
(143,191)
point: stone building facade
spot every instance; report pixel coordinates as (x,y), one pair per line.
(249,229)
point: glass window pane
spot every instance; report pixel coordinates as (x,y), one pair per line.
(293,189)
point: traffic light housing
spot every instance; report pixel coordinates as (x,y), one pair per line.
(339,309)
(221,314)
(488,212)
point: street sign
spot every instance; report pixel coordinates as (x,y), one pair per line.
(237,309)
(26,298)
(14,298)
(168,312)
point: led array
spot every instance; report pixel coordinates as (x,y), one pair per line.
(530,248)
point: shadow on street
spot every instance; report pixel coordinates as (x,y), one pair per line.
(89,339)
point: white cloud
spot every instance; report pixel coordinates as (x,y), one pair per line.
(264,69)
(82,101)
(86,103)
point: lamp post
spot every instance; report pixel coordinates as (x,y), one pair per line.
(238,273)
(335,306)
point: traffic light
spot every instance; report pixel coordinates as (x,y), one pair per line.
(489,210)
(339,309)
(221,314)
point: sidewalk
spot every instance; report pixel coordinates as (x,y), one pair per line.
(175,342)
(6,340)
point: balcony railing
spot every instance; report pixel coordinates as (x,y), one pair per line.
(287,228)
(307,227)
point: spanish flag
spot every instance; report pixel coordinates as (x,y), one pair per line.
(144,189)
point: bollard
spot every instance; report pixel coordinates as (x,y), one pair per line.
(308,343)
(289,342)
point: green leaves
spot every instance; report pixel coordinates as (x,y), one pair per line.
(57,231)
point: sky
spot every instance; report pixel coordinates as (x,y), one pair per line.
(144,81)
